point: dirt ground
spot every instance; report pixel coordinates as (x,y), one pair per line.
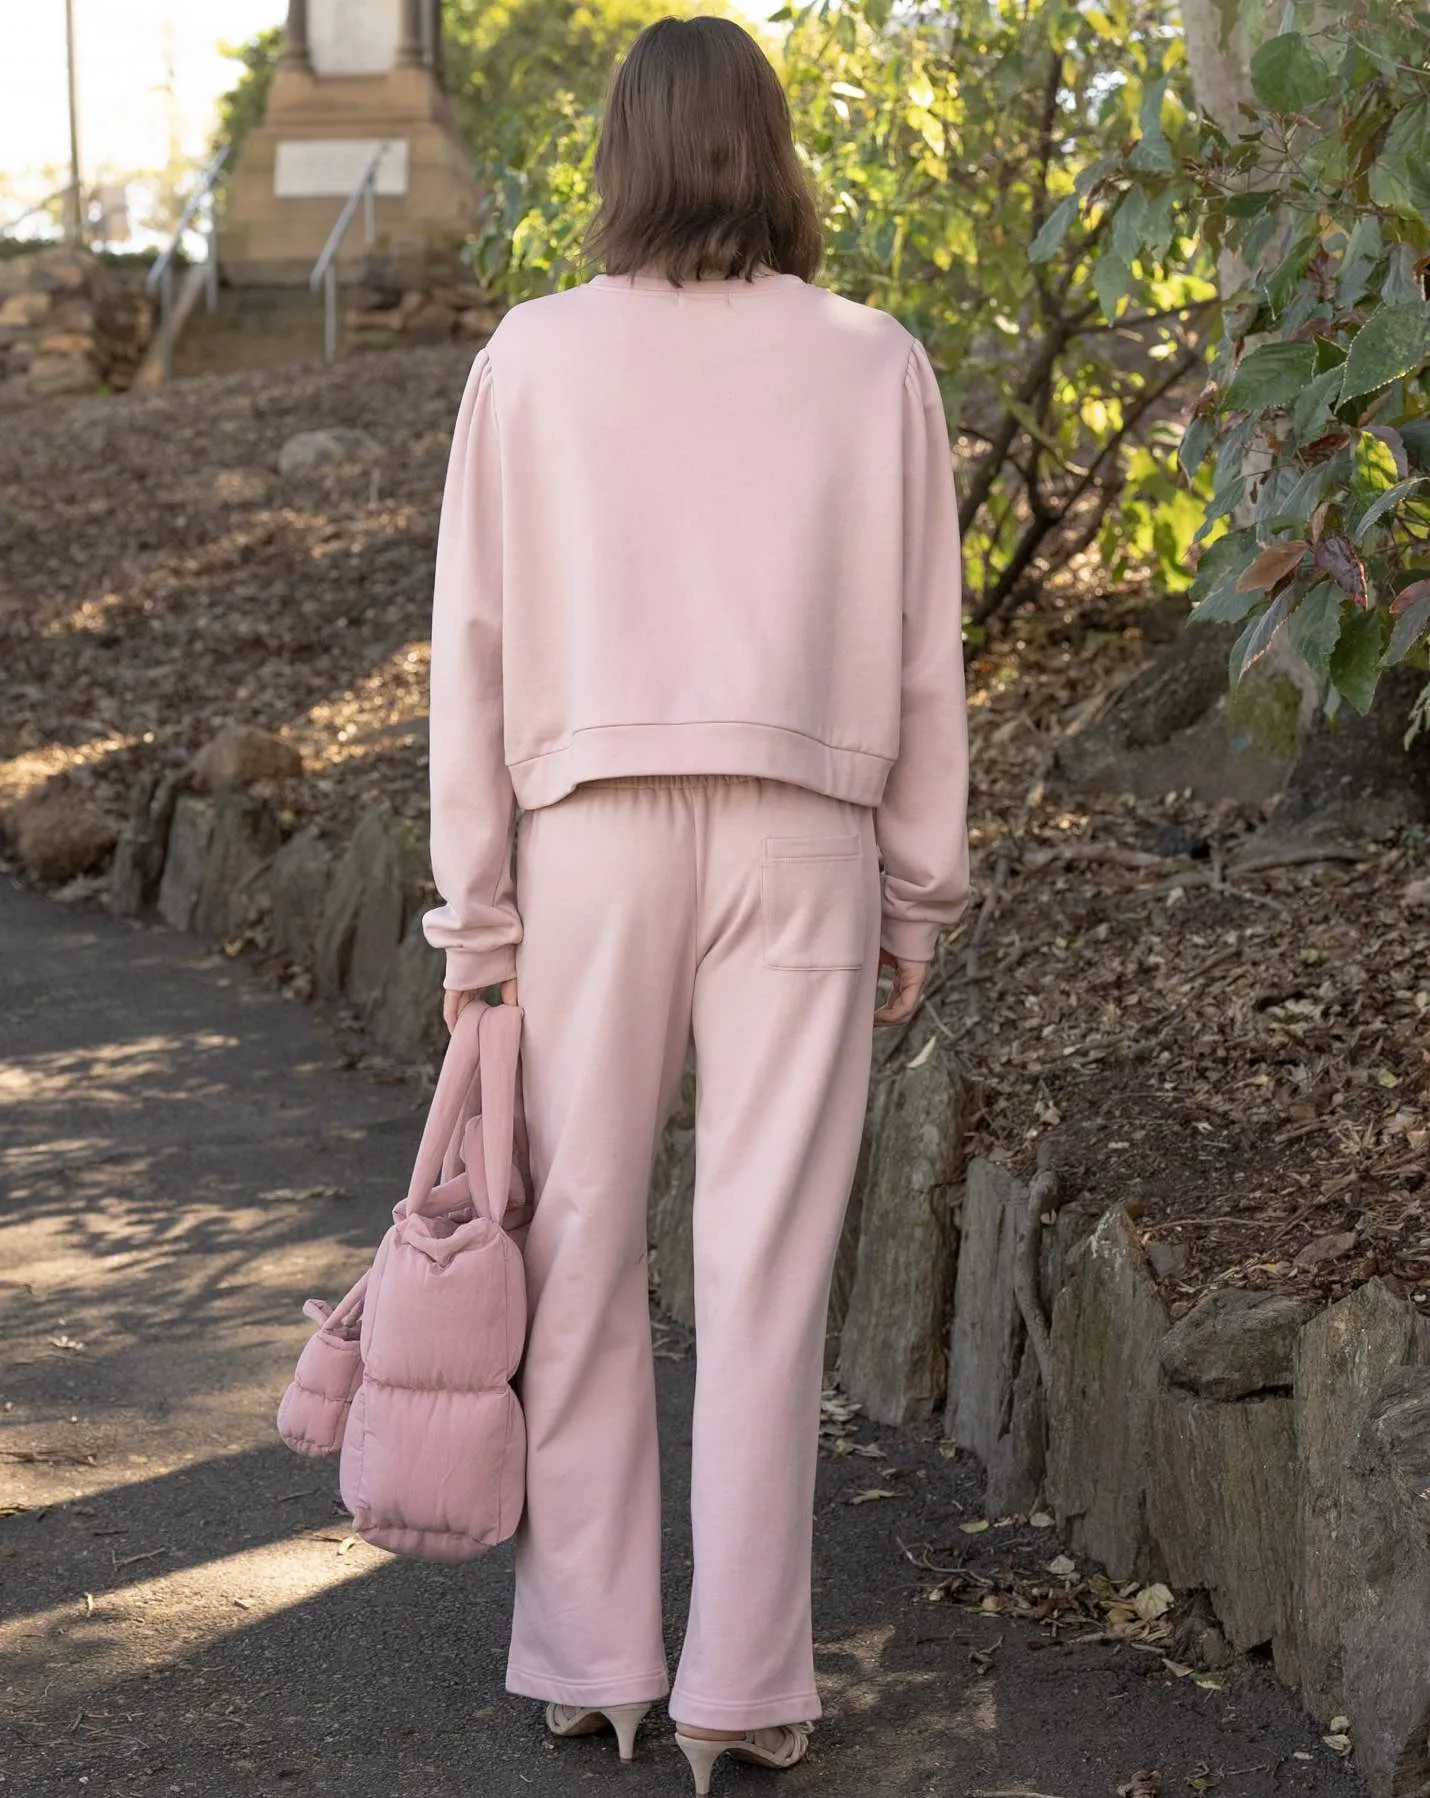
(182,1607)
(1242,1057)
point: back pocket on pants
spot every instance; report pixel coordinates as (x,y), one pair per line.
(814,898)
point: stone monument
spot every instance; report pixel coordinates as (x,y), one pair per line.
(355,75)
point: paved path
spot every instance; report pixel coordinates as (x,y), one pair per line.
(181,1611)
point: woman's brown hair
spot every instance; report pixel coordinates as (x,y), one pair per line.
(696,165)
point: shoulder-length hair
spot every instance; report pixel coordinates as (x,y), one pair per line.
(696,166)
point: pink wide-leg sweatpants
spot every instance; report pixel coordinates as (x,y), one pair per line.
(745,912)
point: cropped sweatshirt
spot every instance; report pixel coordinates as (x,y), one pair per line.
(697,530)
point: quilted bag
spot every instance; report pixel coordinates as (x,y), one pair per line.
(432,1439)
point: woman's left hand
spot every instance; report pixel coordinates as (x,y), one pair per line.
(453,1002)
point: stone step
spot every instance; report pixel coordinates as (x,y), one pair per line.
(253,327)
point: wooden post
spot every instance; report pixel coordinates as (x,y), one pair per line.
(74,196)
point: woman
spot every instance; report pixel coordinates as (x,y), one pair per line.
(697,614)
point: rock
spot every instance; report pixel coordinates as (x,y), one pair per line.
(370,900)
(64,343)
(241,754)
(59,833)
(670,1216)
(385,318)
(996,1404)
(184,860)
(1221,1510)
(62,269)
(1210,1647)
(298,884)
(139,853)
(69,371)
(1343,1358)
(1167,1260)
(1327,1248)
(1386,1640)
(218,848)
(1108,1324)
(25,310)
(892,1357)
(407,1020)
(243,839)
(1173,840)
(1235,1343)
(986,1342)
(431,322)
(1416,896)
(1354,776)
(308,451)
(1175,726)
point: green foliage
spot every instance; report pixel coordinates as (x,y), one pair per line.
(950,146)
(1318,411)
(241,108)
(529,77)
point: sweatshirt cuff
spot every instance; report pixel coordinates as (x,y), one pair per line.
(908,939)
(469,970)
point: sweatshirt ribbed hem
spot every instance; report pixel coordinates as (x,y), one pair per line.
(764,751)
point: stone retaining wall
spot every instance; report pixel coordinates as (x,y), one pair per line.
(69,323)
(1271,1455)
(418,293)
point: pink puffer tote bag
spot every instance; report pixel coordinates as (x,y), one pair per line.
(434,1444)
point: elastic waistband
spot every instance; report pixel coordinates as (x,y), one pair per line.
(672,780)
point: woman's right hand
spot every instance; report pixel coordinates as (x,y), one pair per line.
(453,1002)
(906,991)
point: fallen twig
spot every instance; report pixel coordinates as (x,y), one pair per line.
(1096,852)
(1258,861)
(133,1560)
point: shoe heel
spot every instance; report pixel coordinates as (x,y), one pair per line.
(625,1719)
(702,1756)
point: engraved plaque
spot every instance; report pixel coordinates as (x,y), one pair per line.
(329,168)
(353,37)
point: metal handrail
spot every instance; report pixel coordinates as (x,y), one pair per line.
(161,275)
(324,269)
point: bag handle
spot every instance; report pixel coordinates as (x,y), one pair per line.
(326,1315)
(454,1083)
(500,1054)
(471,1105)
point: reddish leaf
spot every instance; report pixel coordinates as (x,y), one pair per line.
(1313,327)
(1335,557)
(1322,447)
(1410,596)
(1272,565)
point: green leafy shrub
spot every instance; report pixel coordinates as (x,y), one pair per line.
(1315,426)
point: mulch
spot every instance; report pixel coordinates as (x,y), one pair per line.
(1239,1053)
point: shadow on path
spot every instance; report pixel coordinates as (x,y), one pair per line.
(182,1608)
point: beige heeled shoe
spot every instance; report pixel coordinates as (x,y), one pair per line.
(783,1746)
(576,1720)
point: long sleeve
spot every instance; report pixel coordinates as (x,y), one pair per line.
(473,806)
(922,820)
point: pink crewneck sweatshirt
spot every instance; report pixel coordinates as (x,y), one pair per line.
(697,530)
